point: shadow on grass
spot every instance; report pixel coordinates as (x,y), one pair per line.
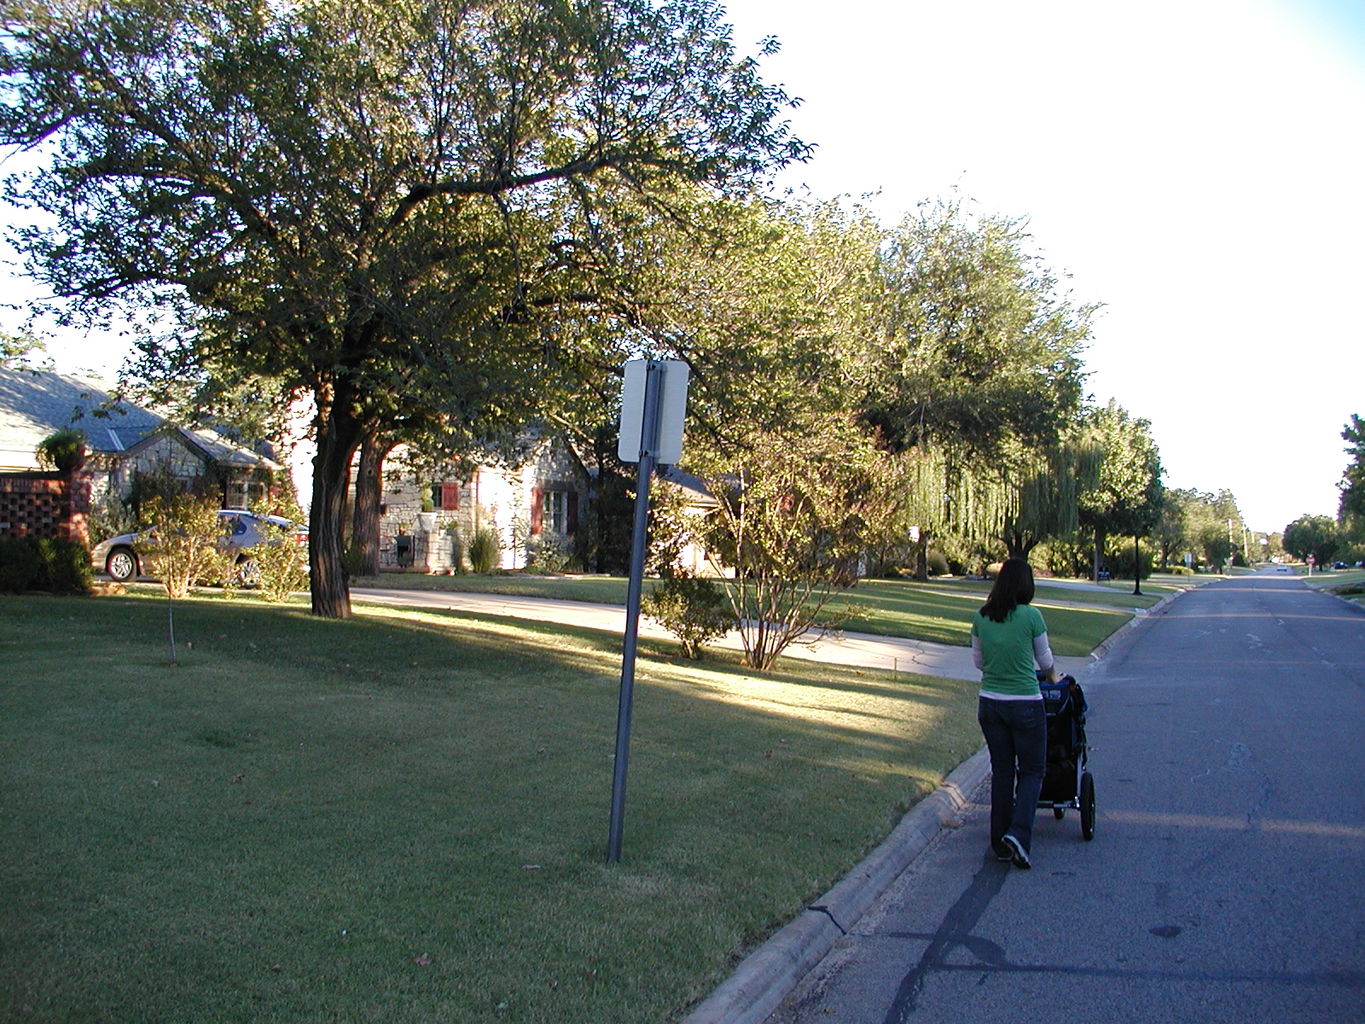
(402,816)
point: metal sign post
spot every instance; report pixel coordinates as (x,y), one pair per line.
(652,405)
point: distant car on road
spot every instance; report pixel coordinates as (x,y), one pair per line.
(1340,565)
(124,558)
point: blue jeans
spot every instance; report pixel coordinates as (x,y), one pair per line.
(1016,735)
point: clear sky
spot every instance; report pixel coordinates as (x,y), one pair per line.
(1197,166)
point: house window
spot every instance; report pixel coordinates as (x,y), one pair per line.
(554,512)
(243,492)
(445,496)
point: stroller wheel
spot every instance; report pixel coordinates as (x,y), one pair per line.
(1059,813)
(1087,806)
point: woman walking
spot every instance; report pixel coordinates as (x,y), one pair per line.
(1008,637)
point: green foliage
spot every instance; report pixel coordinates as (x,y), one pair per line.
(692,608)
(795,510)
(1203,524)
(938,563)
(484,550)
(110,516)
(1121,560)
(409,204)
(62,450)
(977,349)
(549,556)
(186,543)
(1124,494)
(56,566)
(18,350)
(1351,512)
(279,565)
(158,487)
(1318,536)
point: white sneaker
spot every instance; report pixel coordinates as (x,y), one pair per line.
(1017,851)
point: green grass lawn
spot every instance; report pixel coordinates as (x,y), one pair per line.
(938,611)
(402,817)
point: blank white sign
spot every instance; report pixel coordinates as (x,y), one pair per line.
(672,411)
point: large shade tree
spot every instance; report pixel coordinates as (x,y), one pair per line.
(1351,513)
(974,363)
(1316,536)
(387,206)
(1125,495)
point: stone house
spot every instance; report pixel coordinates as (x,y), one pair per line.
(427,519)
(122,440)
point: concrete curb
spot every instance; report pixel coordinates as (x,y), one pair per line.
(1138,618)
(760,983)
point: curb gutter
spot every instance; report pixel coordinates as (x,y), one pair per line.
(760,983)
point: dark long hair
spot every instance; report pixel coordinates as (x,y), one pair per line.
(1013,587)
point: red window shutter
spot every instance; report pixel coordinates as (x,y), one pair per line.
(450,495)
(537,509)
(571,519)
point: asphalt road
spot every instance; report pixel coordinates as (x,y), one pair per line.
(1224,882)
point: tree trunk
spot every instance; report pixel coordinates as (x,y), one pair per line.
(922,556)
(365,515)
(339,434)
(1137,569)
(1019,544)
(1099,554)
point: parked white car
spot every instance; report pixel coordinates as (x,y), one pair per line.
(123,560)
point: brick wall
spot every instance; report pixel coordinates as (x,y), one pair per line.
(45,505)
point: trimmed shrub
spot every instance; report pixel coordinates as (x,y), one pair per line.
(40,563)
(21,567)
(693,609)
(549,557)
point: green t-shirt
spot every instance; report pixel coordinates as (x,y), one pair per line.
(1007,661)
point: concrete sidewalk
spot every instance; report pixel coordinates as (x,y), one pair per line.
(836,648)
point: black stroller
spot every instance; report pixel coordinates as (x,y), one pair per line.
(1067,784)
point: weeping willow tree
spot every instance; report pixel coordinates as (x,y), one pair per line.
(1039,491)
(1028,496)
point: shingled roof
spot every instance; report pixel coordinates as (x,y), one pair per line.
(35,403)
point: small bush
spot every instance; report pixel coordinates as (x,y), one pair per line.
(21,567)
(40,563)
(549,557)
(483,550)
(279,566)
(694,610)
(184,543)
(938,563)
(111,516)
